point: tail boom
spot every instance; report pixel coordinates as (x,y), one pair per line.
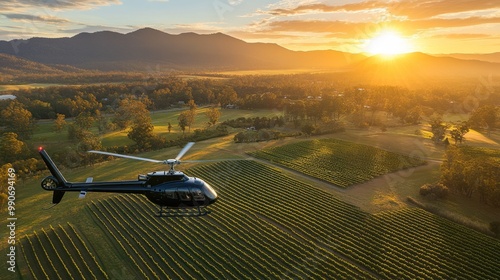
(58,184)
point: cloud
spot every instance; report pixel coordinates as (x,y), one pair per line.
(97,28)
(464,36)
(248,35)
(409,9)
(351,29)
(35,18)
(431,23)
(200,27)
(316,26)
(22,5)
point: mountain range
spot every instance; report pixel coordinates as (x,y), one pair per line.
(147,49)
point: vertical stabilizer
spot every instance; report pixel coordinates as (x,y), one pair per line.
(52,167)
(57,197)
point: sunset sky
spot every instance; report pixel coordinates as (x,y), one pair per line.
(431,26)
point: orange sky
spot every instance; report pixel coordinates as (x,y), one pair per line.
(432,26)
(435,26)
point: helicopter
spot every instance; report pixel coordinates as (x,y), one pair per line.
(171,189)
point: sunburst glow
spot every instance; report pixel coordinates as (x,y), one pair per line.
(388,43)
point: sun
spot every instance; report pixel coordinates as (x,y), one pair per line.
(388,43)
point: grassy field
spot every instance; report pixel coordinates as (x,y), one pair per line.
(256,230)
(271,72)
(45,135)
(25,86)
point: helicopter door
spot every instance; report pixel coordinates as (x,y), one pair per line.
(184,193)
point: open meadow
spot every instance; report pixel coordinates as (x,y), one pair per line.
(25,86)
(45,135)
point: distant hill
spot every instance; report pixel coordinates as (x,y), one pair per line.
(13,65)
(149,48)
(490,57)
(413,67)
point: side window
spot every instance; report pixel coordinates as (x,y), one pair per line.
(184,194)
(197,194)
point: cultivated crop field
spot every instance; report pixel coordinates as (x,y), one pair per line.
(265,225)
(338,162)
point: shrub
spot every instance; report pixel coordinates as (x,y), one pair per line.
(434,190)
(425,189)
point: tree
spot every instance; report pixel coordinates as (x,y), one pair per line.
(485,117)
(84,121)
(192,105)
(192,113)
(104,124)
(81,102)
(438,128)
(186,119)
(40,109)
(313,111)
(213,115)
(141,132)
(227,96)
(459,131)
(134,113)
(59,123)
(239,137)
(128,110)
(183,120)
(308,129)
(296,110)
(467,171)
(413,115)
(79,130)
(11,148)
(86,102)
(162,98)
(18,120)
(87,141)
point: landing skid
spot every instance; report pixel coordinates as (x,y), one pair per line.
(182,212)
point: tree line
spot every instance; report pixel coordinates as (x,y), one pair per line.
(473,172)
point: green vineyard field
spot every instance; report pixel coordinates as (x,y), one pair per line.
(338,162)
(60,253)
(266,225)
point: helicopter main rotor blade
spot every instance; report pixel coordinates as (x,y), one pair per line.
(125,156)
(184,150)
(210,160)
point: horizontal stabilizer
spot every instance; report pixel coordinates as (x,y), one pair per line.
(82,194)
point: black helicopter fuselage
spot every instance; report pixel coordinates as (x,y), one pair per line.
(164,188)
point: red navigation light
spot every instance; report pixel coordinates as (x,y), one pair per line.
(40,148)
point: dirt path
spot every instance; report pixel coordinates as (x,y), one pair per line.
(379,194)
(387,192)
